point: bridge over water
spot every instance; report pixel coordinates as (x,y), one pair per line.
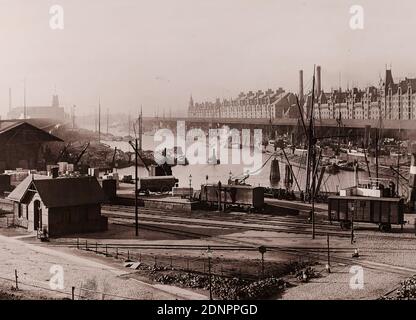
(329,127)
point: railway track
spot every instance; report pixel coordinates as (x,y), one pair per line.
(245,222)
(281,227)
(296,225)
(243,218)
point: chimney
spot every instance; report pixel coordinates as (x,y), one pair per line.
(55,172)
(318,80)
(300,85)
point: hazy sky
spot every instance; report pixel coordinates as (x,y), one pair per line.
(156,53)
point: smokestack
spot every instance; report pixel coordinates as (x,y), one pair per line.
(318,80)
(300,85)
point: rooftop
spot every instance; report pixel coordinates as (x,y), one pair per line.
(60,192)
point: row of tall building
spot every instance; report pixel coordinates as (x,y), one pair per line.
(388,100)
(268,104)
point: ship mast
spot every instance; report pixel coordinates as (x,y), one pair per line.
(310,162)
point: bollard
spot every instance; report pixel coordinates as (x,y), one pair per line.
(73,293)
(16,277)
(128,254)
(96,247)
(86,245)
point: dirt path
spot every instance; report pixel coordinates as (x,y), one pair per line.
(91,278)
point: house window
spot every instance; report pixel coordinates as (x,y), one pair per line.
(19,210)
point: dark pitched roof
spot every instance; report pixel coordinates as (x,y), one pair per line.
(61,192)
(24,133)
(405,84)
(323,98)
(19,192)
(389,80)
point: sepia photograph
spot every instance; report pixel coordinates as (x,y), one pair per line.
(207,152)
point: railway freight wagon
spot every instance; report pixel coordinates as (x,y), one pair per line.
(350,209)
(156,184)
(247,197)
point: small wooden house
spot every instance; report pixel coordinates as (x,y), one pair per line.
(60,206)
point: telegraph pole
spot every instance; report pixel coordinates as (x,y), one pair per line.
(398,165)
(376,153)
(108,118)
(99,120)
(129,124)
(136,212)
(140,128)
(24,99)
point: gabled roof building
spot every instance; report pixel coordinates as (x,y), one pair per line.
(60,206)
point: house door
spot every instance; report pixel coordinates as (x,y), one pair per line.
(37,215)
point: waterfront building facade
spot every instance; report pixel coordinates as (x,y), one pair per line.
(390,101)
(252,105)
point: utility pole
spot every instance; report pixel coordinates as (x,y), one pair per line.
(99,120)
(376,153)
(24,98)
(262,250)
(136,212)
(209,254)
(108,119)
(129,124)
(398,166)
(327,243)
(141,129)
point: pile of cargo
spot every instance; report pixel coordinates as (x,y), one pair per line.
(306,274)
(406,290)
(226,288)
(18,175)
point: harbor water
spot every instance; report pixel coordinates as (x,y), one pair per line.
(198,174)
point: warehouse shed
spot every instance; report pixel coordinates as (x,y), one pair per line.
(21,145)
(61,206)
